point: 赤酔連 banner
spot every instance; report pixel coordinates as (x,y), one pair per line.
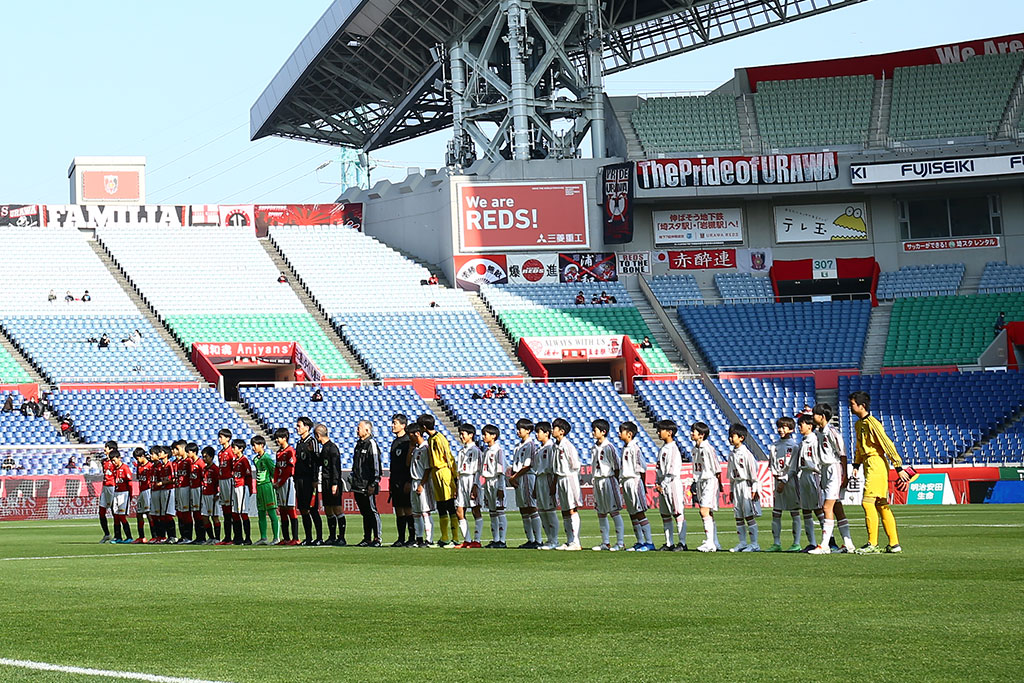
(767,169)
(698,259)
(522,216)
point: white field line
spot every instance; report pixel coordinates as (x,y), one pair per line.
(130,675)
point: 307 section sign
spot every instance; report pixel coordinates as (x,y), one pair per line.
(525,216)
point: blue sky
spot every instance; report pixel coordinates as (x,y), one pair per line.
(174,82)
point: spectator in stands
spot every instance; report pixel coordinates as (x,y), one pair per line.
(596,299)
(68,297)
(317,397)
(104,341)
(132,340)
(432,280)
(26,408)
(8,405)
(66,425)
(87,296)
(489,393)
(433,304)
(300,375)
(71,464)
(1000,323)
(606,298)
(501,392)
(646,343)
(282,278)
(9,464)
(51,297)
(580,298)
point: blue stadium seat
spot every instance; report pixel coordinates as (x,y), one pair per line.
(685,402)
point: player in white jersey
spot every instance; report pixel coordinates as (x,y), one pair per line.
(707,484)
(806,470)
(523,479)
(670,486)
(492,469)
(467,492)
(782,453)
(604,463)
(421,498)
(744,490)
(566,468)
(634,491)
(833,482)
(543,462)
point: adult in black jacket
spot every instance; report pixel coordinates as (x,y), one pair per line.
(366,482)
(332,488)
(307,471)
(399,481)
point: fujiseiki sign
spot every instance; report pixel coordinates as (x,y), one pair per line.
(937,169)
(930,488)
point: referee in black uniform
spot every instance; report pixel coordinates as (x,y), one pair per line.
(307,471)
(332,488)
(366,482)
(400,482)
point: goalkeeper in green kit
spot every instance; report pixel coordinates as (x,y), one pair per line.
(266,499)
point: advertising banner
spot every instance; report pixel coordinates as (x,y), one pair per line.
(755,261)
(617,202)
(237,215)
(821,223)
(100,215)
(21,215)
(204,214)
(930,488)
(522,216)
(306,364)
(698,259)
(532,269)
(598,266)
(937,169)
(955,243)
(473,271)
(231,352)
(698,226)
(558,349)
(267,215)
(98,186)
(633,262)
(771,169)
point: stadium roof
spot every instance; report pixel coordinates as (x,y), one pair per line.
(364,76)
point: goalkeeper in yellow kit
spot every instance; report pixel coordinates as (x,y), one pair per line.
(877,453)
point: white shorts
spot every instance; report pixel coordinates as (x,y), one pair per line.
(743,503)
(195,499)
(286,494)
(569,495)
(607,497)
(182,498)
(121,500)
(491,488)
(143,503)
(226,488)
(634,493)
(240,501)
(786,498)
(106,497)
(671,502)
(810,490)
(163,502)
(464,492)
(542,491)
(524,491)
(208,505)
(707,494)
(422,503)
(831,478)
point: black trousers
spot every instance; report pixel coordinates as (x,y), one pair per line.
(371,518)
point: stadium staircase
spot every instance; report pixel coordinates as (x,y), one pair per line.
(496,330)
(750,133)
(25,365)
(623,108)
(642,418)
(315,311)
(874,343)
(878,132)
(1009,422)
(144,308)
(682,342)
(439,411)
(660,335)
(253,424)
(1009,127)
(969,285)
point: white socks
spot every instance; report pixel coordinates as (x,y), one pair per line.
(418,524)
(667,524)
(478,528)
(777,528)
(809,528)
(620,529)
(681,529)
(844,531)
(550,518)
(637,532)
(753,531)
(709,530)
(741,531)
(464,529)
(796,528)
(428,529)
(502,526)
(494,527)
(603,523)
(575,521)
(826,532)
(528,528)
(535,525)
(645,529)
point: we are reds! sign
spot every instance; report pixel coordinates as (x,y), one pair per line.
(526,216)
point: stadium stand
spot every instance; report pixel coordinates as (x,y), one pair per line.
(932,418)
(556,295)
(946,330)
(236,297)
(961,99)
(818,335)
(1005,449)
(341,410)
(339,265)
(676,290)
(815,111)
(11,371)
(570,320)
(685,402)
(149,416)
(999,278)
(45,462)
(744,288)
(578,402)
(687,124)
(53,333)
(18,430)
(760,402)
(939,279)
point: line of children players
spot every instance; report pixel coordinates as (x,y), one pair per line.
(810,478)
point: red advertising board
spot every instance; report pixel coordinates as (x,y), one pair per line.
(268,215)
(22,215)
(698,259)
(473,271)
(522,216)
(99,186)
(736,171)
(549,349)
(955,243)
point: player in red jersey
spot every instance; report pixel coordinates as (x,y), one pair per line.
(163,496)
(182,466)
(244,486)
(195,487)
(226,487)
(208,502)
(107,492)
(122,498)
(143,474)
(284,487)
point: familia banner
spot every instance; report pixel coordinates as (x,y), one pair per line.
(522,216)
(617,202)
(770,169)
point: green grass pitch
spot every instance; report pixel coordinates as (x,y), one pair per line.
(949,608)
